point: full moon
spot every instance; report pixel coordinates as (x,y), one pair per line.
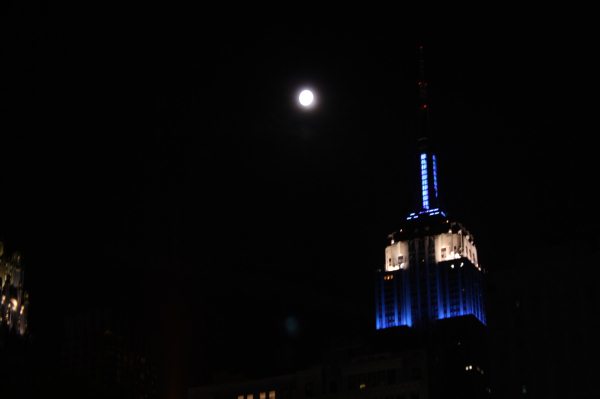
(306,98)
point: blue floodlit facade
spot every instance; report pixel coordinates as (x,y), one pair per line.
(431,273)
(431,269)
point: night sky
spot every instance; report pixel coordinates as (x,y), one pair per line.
(161,164)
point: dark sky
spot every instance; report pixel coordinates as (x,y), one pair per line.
(160,162)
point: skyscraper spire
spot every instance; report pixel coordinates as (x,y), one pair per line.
(431,269)
(429,200)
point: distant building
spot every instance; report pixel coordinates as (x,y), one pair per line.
(431,269)
(395,363)
(14,300)
(352,372)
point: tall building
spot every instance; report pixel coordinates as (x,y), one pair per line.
(432,283)
(431,269)
(14,300)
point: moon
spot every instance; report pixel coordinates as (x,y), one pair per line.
(306,98)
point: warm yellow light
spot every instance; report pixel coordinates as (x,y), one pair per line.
(262,395)
(362,386)
(272,395)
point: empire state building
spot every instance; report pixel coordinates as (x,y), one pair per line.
(431,269)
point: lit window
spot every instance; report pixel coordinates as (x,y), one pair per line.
(362,385)
(262,395)
(250,396)
(240,397)
(271,394)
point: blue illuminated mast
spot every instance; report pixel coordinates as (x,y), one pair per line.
(429,198)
